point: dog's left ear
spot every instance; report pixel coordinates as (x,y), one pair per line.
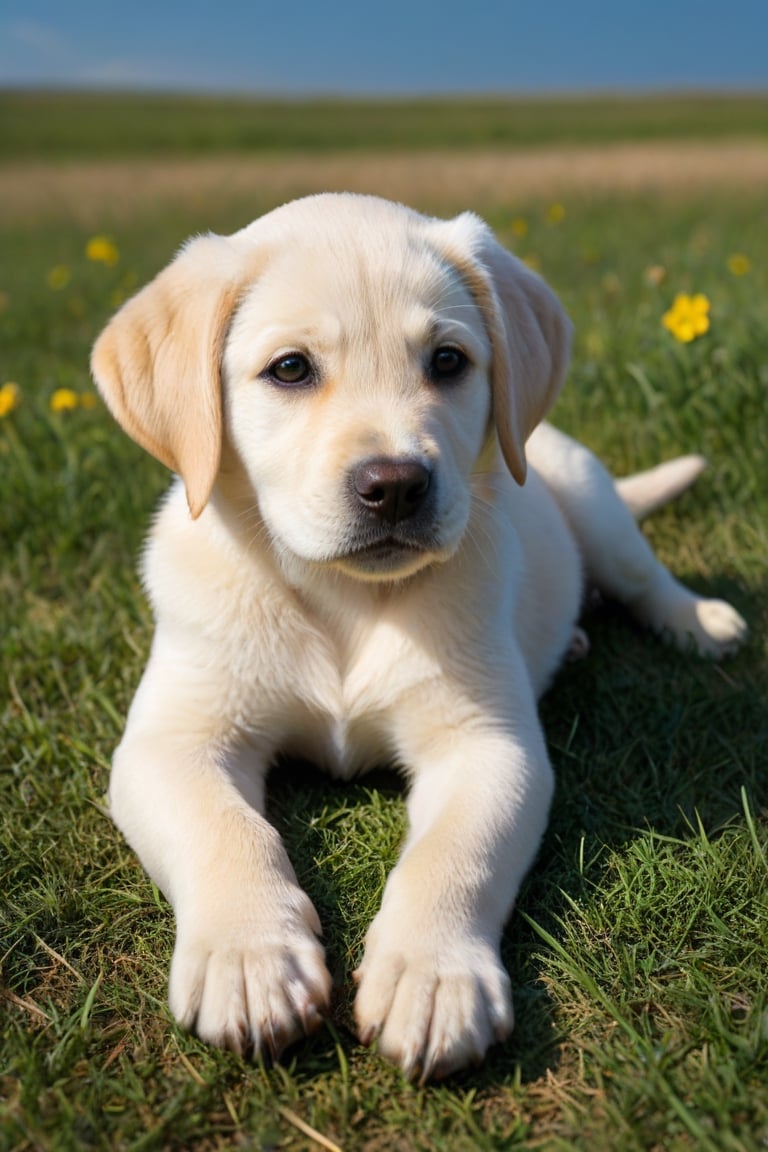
(158,361)
(529,330)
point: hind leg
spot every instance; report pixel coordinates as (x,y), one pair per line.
(619,560)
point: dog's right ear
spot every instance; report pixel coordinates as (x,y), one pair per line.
(158,362)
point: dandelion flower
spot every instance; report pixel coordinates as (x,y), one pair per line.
(556,213)
(102,250)
(739,264)
(9,397)
(688,317)
(88,400)
(58,277)
(63,400)
(519,227)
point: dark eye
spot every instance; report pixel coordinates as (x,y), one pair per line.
(291,369)
(447,363)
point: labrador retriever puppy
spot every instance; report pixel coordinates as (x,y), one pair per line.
(374,552)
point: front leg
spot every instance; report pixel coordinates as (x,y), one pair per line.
(248,971)
(432,987)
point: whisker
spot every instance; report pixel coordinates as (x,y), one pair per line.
(480,526)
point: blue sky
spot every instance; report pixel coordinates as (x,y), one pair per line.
(385,46)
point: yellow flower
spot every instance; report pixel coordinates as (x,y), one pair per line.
(533,262)
(738,264)
(688,317)
(519,227)
(102,250)
(58,277)
(9,397)
(556,213)
(88,400)
(63,400)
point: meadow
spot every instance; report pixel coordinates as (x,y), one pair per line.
(637,950)
(63,125)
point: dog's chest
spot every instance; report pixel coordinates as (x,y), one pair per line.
(348,694)
(337,682)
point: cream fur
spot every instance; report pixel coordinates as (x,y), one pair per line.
(274,635)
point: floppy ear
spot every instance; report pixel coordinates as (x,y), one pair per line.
(530,336)
(157,363)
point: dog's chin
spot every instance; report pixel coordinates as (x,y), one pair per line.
(386,560)
(383,560)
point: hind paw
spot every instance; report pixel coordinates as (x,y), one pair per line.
(579,645)
(712,627)
(720,629)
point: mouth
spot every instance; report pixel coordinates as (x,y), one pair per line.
(389,556)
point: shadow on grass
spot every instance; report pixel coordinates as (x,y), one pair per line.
(641,736)
(301,799)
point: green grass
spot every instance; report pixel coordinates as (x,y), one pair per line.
(638,948)
(67,124)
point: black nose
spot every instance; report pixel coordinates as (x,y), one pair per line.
(390,488)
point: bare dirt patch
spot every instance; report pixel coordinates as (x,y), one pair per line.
(91,191)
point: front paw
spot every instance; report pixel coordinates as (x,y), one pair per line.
(435,1003)
(253,984)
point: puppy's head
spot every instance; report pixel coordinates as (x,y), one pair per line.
(340,365)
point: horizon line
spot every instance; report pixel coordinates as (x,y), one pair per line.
(639,91)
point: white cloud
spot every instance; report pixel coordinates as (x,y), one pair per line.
(37,53)
(116,73)
(31,52)
(41,39)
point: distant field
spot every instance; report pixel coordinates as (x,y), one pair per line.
(79,125)
(106,193)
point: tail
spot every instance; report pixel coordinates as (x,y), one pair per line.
(644,492)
